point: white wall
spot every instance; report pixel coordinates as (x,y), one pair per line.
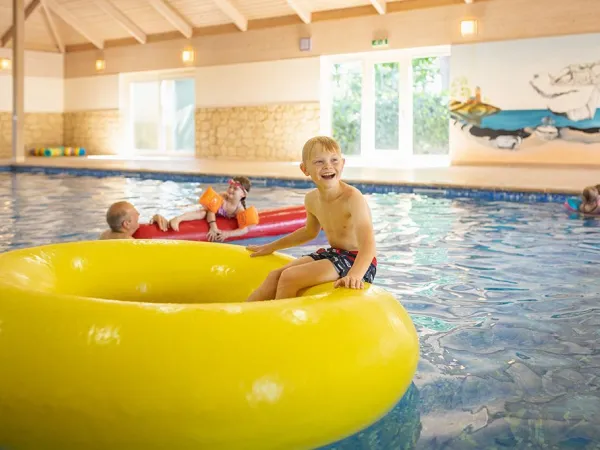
(503,69)
(44,86)
(92,93)
(284,81)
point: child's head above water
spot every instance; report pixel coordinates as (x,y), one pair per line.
(238,189)
(322,160)
(590,194)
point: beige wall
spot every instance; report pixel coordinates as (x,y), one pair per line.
(41,130)
(272,106)
(99,132)
(43,101)
(43,82)
(262,83)
(498,20)
(91,93)
(272,132)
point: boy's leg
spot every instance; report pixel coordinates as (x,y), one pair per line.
(268,288)
(295,278)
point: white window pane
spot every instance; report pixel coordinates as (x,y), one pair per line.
(387,105)
(431,114)
(347,81)
(145,115)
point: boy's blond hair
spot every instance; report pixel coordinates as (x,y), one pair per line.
(327,144)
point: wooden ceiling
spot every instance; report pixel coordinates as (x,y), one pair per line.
(70,25)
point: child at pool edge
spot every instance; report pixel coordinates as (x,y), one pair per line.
(590,200)
(123,221)
(343,214)
(234,201)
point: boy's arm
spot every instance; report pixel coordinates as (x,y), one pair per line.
(308,232)
(300,236)
(367,250)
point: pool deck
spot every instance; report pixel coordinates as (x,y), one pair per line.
(566,180)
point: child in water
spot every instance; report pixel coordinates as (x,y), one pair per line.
(234,201)
(590,200)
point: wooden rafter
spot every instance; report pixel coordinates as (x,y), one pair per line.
(71,20)
(258,24)
(379,5)
(52,29)
(122,20)
(304,14)
(173,16)
(233,13)
(7,36)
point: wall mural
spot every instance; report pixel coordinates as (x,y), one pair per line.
(572,97)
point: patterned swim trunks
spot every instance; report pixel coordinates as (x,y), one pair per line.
(343,260)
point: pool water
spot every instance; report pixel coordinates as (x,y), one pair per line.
(505,297)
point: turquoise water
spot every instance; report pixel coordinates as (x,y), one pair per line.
(505,297)
(519,119)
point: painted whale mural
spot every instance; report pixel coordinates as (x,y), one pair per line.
(572,98)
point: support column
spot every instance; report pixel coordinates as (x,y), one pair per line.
(18,81)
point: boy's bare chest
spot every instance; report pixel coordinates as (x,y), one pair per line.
(334,216)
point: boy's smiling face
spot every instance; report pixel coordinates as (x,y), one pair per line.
(324,167)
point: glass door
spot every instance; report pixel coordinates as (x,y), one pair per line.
(162,116)
(387,105)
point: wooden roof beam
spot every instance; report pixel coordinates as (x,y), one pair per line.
(233,13)
(72,21)
(173,16)
(379,5)
(51,25)
(7,36)
(304,15)
(122,20)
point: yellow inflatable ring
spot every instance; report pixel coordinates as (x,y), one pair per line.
(103,345)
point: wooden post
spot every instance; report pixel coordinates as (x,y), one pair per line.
(18,85)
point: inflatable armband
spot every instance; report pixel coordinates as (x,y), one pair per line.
(247,217)
(211,200)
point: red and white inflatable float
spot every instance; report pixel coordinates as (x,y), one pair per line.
(272,222)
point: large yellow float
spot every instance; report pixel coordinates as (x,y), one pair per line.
(128,345)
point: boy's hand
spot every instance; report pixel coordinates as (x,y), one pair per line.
(163,224)
(174,223)
(350,281)
(259,250)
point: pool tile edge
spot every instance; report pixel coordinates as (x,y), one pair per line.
(506,193)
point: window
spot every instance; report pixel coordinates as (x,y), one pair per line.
(160,113)
(387,105)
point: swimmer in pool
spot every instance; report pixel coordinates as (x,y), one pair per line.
(590,200)
(123,221)
(343,214)
(234,202)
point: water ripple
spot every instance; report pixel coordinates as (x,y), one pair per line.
(504,297)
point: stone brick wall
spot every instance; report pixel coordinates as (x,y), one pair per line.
(41,130)
(99,132)
(275,132)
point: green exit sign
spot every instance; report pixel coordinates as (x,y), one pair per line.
(379,43)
